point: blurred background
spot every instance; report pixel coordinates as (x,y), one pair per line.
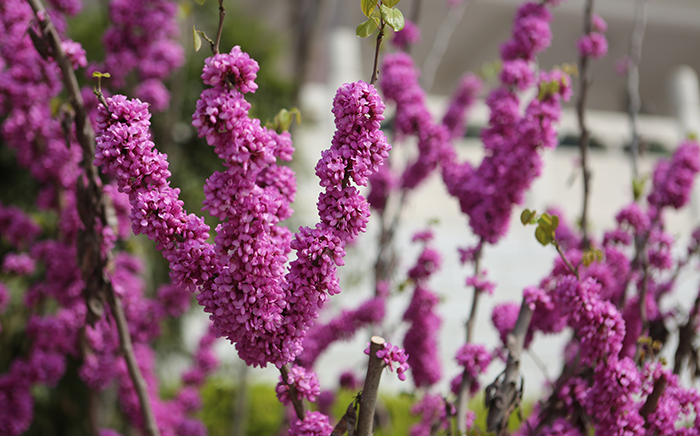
(306,49)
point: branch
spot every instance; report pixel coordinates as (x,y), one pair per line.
(584,82)
(134,372)
(297,402)
(91,208)
(653,399)
(640,22)
(502,396)
(465,386)
(380,37)
(222,15)
(368,399)
(686,334)
(566,261)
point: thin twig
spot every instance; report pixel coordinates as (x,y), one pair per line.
(584,82)
(368,399)
(442,40)
(686,336)
(566,261)
(380,37)
(222,15)
(635,55)
(297,402)
(131,363)
(465,385)
(91,208)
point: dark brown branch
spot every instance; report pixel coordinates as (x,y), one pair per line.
(222,15)
(297,402)
(134,372)
(653,399)
(686,335)
(91,208)
(368,399)
(503,395)
(375,68)
(584,82)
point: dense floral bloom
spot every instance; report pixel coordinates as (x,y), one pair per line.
(142,38)
(474,358)
(349,381)
(503,318)
(611,399)
(673,179)
(21,264)
(314,424)
(594,45)
(598,324)
(305,382)
(421,338)
(488,193)
(236,67)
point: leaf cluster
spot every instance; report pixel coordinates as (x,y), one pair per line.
(378,14)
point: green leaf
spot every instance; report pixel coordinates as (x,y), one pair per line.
(390,3)
(99,74)
(366,29)
(542,236)
(638,185)
(555,223)
(368,6)
(197,39)
(392,17)
(526,216)
(200,2)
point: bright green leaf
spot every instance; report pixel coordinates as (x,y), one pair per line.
(555,222)
(542,236)
(390,3)
(99,74)
(392,17)
(366,29)
(200,2)
(545,220)
(526,216)
(368,7)
(197,39)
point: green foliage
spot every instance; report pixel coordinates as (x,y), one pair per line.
(638,185)
(546,225)
(592,255)
(367,28)
(393,17)
(368,7)
(283,120)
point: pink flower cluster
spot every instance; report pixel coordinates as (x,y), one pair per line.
(304,381)
(241,278)
(488,193)
(395,359)
(593,44)
(143,38)
(421,340)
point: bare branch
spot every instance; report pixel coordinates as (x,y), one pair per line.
(503,394)
(584,82)
(368,400)
(297,402)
